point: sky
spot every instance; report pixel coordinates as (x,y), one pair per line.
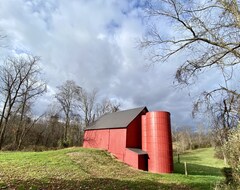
(95,43)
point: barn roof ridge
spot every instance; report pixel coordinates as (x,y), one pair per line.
(119,119)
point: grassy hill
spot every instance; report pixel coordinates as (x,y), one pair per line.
(79,168)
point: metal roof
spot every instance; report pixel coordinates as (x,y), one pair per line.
(120,119)
(138,151)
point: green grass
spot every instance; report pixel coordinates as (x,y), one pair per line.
(200,162)
(79,168)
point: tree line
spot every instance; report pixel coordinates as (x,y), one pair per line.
(62,125)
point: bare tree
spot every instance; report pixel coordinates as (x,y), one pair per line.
(183,138)
(54,126)
(200,134)
(87,106)
(20,83)
(54,130)
(68,97)
(32,88)
(107,106)
(206,31)
(80,109)
(91,109)
(207,34)
(222,111)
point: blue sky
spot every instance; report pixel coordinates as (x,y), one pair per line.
(95,44)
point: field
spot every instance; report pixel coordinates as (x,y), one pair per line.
(79,168)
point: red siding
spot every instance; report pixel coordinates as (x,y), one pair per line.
(144,133)
(113,140)
(134,135)
(159,143)
(117,142)
(131,158)
(96,139)
(135,160)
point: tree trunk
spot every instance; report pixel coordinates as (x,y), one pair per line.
(2,134)
(66,129)
(224,158)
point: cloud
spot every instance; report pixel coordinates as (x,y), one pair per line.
(93,43)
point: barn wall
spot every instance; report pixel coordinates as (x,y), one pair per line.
(131,158)
(113,140)
(144,133)
(136,160)
(96,139)
(117,142)
(134,134)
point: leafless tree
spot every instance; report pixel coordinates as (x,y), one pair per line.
(91,109)
(20,83)
(183,138)
(31,89)
(80,108)
(222,111)
(207,34)
(107,106)
(87,106)
(206,31)
(68,97)
(200,135)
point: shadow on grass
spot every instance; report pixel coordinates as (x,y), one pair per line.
(91,183)
(196,169)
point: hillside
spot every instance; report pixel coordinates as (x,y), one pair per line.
(79,168)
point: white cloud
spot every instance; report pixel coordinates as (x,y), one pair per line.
(93,43)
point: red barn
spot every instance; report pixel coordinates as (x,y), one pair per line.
(137,137)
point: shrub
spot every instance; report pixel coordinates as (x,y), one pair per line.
(228,173)
(218,153)
(10,147)
(232,149)
(63,143)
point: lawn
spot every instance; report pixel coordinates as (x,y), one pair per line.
(79,168)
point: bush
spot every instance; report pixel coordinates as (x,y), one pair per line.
(224,186)
(230,182)
(10,147)
(228,173)
(232,149)
(64,144)
(218,153)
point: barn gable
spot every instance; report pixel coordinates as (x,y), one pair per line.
(120,119)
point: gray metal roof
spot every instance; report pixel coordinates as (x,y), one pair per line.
(120,119)
(138,151)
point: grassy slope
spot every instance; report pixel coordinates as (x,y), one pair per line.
(78,168)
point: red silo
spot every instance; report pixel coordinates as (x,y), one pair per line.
(159,142)
(144,133)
